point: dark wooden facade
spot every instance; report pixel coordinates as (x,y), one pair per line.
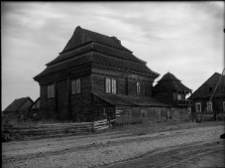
(90,59)
(171,91)
(203,94)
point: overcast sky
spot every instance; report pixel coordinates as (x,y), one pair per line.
(184,38)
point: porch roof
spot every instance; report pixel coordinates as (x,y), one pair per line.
(130,100)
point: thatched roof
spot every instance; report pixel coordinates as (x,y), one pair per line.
(170,82)
(129,100)
(203,90)
(17,103)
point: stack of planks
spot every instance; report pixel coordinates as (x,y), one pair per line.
(52,130)
(101,125)
(58,129)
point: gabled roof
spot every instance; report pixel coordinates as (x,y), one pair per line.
(169,81)
(210,82)
(82,36)
(129,100)
(168,77)
(17,103)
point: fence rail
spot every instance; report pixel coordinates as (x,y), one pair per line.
(51,130)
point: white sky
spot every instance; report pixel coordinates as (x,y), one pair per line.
(184,38)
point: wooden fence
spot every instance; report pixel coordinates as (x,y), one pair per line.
(59,129)
(101,125)
(209,116)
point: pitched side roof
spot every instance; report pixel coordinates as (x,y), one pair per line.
(82,36)
(17,103)
(169,81)
(212,81)
(129,100)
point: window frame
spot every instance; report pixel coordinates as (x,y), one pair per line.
(76,86)
(179,96)
(209,106)
(51,91)
(196,105)
(110,85)
(210,89)
(138,88)
(113,87)
(223,105)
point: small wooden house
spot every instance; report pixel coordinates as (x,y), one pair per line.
(201,97)
(94,77)
(171,91)
(19,108)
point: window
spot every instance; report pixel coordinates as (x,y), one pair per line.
(224,106)
(179,97)
(51,91)
(209,106)
(198,107)
(138,88)
(110,85)
(143,112)
(210,89)
(113,86)
(75,84)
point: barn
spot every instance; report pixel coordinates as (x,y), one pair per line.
(19,108)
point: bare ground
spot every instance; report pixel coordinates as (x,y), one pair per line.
(117,147)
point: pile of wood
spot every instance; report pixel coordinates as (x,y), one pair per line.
(101,125)
(58,129)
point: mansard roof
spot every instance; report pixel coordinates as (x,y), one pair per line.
(94,46)
(129,100)
(99,60)
(98,50)
(169,81)
(203,92)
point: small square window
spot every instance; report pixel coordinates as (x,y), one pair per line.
(210,89)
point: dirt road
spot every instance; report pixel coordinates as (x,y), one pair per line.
(112,148)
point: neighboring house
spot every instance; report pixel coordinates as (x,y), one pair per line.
(96,77)
(35,109)
(202,95)
(19,108)
(171,91)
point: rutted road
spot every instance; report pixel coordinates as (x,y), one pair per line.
(107,148)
